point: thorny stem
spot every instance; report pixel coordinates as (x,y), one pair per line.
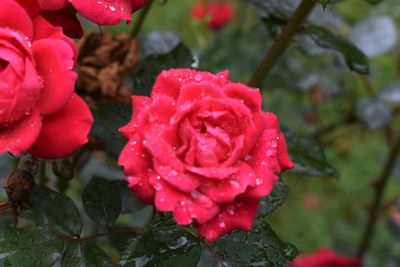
(282,43)
(142,16)
(379,186)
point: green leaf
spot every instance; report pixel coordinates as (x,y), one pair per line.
(108,118)
(355,59)
(163,247)
(152,65)
(270,203)
(84,254)
(308,156)
(260,247)
(53,211)
(102,201)
(26,247)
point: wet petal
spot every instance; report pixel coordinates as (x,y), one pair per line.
(237,215)
(14,17)
(140,105)
(107,12)
(55,62)
(65,131)
(217,173)
(134,157)
(19,137)
(226,190)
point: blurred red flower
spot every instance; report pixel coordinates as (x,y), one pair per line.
(325,258)
(217,15)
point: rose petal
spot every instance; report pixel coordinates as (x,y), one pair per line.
(170,82)
(236,215)
(65,131)
(134,157)
(53,4)
(161,150)
(104,12)
(283,155)
(199,90)
(19,137)
(44,29)
(141,187)
(226,190)
(218,173)
(54,60)
(66,19)
(251,97)
(183,182)
(31,6)
(140,105)
(13,16)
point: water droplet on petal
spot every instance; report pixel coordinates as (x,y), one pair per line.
(198,78)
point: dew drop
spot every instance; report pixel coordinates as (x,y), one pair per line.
(198,78)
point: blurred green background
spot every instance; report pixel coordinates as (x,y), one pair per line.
(313,92)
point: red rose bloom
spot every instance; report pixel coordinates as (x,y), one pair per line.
(202,148)
(217,15)
(39,112)
(102,12)
(324,258)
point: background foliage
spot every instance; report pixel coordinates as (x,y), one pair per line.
(336,90)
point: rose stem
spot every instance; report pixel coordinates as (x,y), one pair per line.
(142,16)
(283,41)
(379,186)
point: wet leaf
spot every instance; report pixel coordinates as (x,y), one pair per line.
(390,93)
(166,246)
(102,201)
(108,118)
(355,59)
(53,211)
(270,203)
(308,156)
(152,65)
(373,113)
(260,247)
(84,254)
(25,247)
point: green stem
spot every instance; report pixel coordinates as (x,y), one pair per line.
(282,43)
(142,16)
(380,186)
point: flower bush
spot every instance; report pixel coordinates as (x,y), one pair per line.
(202,148)
(39,111)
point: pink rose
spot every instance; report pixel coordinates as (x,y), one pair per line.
(202,148)
(324,258)
(217,15)
(39,111)
(103,12)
